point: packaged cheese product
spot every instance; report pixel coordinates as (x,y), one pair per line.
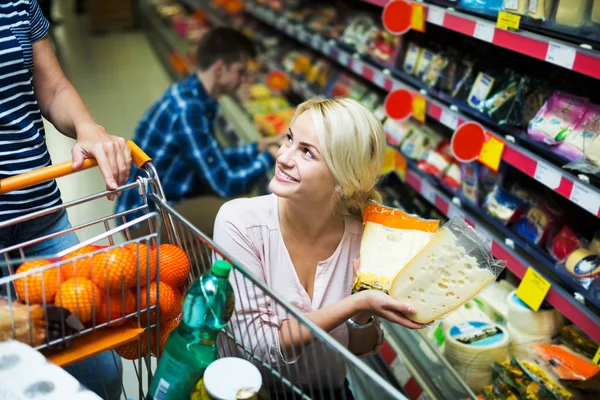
(540,9)
(516,6)
(595,17)
(390,239)
(450,270)
(546,322)
(571,12)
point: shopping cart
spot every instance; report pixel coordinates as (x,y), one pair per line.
(316,371)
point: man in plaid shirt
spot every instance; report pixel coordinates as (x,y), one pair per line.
(178,133)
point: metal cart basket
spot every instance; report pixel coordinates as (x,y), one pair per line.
(320,370)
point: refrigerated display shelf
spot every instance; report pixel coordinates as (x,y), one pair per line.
(554,51)
(576,188)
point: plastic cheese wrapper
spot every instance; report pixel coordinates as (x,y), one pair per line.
(390,239)
(450,270)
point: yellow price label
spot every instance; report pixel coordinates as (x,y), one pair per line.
(597,357)
(389,163)
(491,153)
(533,289)
(417,17)
(507,21)
(419,108)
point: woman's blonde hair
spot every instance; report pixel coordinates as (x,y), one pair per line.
(353,147)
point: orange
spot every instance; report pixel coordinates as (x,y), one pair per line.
(40,286)
(81,267)
(144,264)
(115,269)
(174,265)
(165,330)
(80,296)
(170,302)
(129,350)
(116,305)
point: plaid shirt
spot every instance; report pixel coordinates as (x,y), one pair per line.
(178,133)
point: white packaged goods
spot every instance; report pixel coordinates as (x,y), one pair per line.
(391,238)
(469,311)
(493,302)
(516,6)
(544,323)
(472,347)
(450,270)
(520,342)
(26,374)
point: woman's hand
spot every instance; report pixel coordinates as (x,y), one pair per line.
(384,306)
(111,152)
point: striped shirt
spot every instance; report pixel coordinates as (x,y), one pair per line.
(22,138)
(178,133)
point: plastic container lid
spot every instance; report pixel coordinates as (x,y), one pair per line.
(225,377)
(221,268)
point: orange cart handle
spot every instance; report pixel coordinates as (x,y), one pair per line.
(27,179)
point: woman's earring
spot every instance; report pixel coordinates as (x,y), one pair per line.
(338,188)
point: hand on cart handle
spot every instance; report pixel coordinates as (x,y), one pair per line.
(110,152)
(27,179)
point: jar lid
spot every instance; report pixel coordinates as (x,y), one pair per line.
(226,377)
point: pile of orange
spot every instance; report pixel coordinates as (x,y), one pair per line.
(101,288)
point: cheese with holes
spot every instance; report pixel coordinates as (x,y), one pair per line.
(442,276)
(516,6)
(571,12)
(540,9)
(391,238)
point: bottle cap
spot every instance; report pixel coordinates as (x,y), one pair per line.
(226,377)
(221,268)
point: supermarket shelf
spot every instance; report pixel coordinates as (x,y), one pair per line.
(504,249)
(424,362)
(561,181)
(94,343)
(563,54)
(237,117)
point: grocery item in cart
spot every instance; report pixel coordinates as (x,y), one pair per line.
(38,287)
(207,307)
(390,239)
(230,378)
(80,296)
(450,270)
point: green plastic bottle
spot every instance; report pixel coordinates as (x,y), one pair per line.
(207,307)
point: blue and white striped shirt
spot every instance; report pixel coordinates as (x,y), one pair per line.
(22,137)
(178,133)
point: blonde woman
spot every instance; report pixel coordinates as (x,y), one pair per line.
(303,242)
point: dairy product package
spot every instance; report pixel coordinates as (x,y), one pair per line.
(546,322)
(450,270)
(540,9)
(595,17)
(557,118)
(492,302)
(571,13)
(516,6)
(390,239)
(582,145)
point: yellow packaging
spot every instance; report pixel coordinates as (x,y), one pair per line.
(390,239)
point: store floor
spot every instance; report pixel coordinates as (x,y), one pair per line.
(118,77)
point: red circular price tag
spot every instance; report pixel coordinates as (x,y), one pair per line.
(396,17)
(467,141)
(399,104)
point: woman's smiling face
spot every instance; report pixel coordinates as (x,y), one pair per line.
(300,170)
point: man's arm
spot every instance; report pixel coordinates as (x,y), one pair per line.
(205,155)
(62,106)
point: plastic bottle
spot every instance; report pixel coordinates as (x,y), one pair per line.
(192,346)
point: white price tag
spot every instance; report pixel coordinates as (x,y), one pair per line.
(561,55)
(428,192)
(435,15)
(378,78)
(484,31)
(585,198)
(343,58)
(547,175)
(449,119)
(315,42)
(357,66)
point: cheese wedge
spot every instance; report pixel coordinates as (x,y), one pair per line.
(595,17)
(571,12)
(441,277)
(516,6)
(540,9)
